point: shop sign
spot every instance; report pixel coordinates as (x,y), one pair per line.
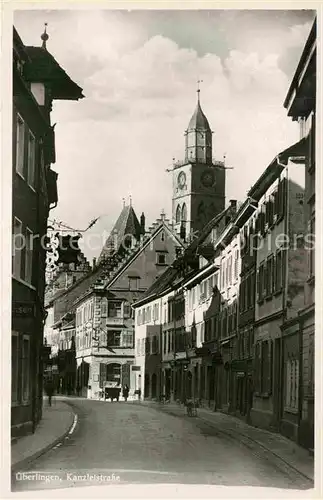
(23,309)
(240,374)
(135,368)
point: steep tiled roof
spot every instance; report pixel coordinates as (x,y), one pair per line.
(43,67)
(198,120)
(127,224)
(173,275)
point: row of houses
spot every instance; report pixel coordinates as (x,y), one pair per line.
(231,322)
(216,304)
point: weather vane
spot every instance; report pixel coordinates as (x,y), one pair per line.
(198,88)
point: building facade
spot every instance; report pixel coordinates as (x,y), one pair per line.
(300,104)
(37,81)
(98,305)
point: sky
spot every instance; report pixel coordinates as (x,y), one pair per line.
(138,70)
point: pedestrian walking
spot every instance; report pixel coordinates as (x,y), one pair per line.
(139,394)
(125,392)
(49,388)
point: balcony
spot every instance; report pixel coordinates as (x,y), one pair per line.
(181,163)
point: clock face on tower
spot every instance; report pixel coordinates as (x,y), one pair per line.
(181,179)
(208,178)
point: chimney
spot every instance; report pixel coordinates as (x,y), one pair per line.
(94,263)
(142,223)
(233,204)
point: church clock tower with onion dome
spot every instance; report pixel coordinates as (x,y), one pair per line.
(198,180)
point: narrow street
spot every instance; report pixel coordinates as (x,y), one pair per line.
(133,443)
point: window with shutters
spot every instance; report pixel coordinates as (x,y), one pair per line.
(236,264)
(273,275)
(269,277)
(261,282)
(275,206)
(282,194)
(279,269)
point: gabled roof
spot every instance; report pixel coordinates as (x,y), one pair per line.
(44,68)
(127,224)
(157,228)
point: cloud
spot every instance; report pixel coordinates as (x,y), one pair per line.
(140,94)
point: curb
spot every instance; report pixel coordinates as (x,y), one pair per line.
(26,461)
(280,462)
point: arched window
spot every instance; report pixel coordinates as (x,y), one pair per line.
(178,213)
(184,212)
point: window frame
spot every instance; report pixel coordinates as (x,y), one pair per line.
(20,158)
(31,168)
(161,254)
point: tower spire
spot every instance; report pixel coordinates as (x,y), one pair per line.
(198,90)
(44,37)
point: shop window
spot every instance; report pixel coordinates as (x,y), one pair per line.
(113,372)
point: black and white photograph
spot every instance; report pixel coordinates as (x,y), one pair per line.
(161,192)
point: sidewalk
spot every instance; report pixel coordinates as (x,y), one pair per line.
(53,427)
(281,448)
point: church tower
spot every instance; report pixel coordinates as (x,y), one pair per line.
(199,180)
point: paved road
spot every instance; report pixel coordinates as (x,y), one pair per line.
(129,443)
